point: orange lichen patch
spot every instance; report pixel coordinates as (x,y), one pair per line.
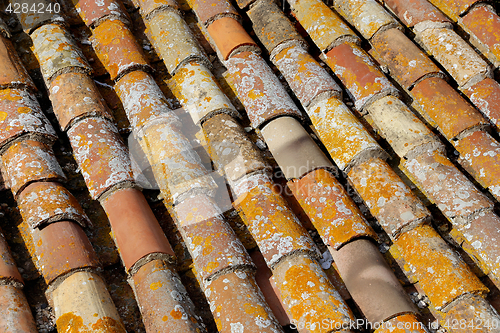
(359,73)
(207,10)
(368,17)
(15,311)
(323,25)
(12,71)
(260,91)
(453,8)
(163,301)
(483,24)
(482,233)
(445,185)
(485,95)
(405,323)
(390,201)
(141,97)
(77,300)
(197,89)
(309,297)
(455,55)
(91,11)
(116,47)
(333,213)
(210,240)
(20,114)
(271,222)
(75,95)
(44,202)
(148,6)
(27,161)
(441,273)
(446,107)
(405,60)
(135,228)
(416,11)
(101,154)
(229,147)
(474,310)
(480,156)
(341,132)
(167,28)
(238,305)
(8,268)
(304,74)
(61,247)
(229,36)
(177,167)
(56,50)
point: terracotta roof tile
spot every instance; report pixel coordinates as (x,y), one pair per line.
(453,9)
(485,95)
(9,274)
(13,74)
(209,11)
(412,13)
(92,12)
(149,6)
(15,311)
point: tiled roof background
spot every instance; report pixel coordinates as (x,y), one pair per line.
(100,234)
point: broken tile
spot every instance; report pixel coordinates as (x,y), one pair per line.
(27,161)
(41,203)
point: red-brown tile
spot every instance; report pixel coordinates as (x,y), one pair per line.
(8,268)
(371,283)
(91,11)
(271,25)
(359,73)
(56,51)
(27,161)
(259,89)
(446,107)
(209,10)
(445,185)
(406,62)
(238,304)
(135,228)
(141,97)
(304,74)
(61,247)
(116,47)
(148,6)
(390,201)
(480,156)
(12,71)
(41,203)
(21,114)
(485,95)
(441,273)
(414,12)
(163,301)
(15,313)
(309,296)
(333,213)
(453,8)
(101,155)
(230,148)
(484,25)
(274,226)
(75,95)
(212,243)
(229,36)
